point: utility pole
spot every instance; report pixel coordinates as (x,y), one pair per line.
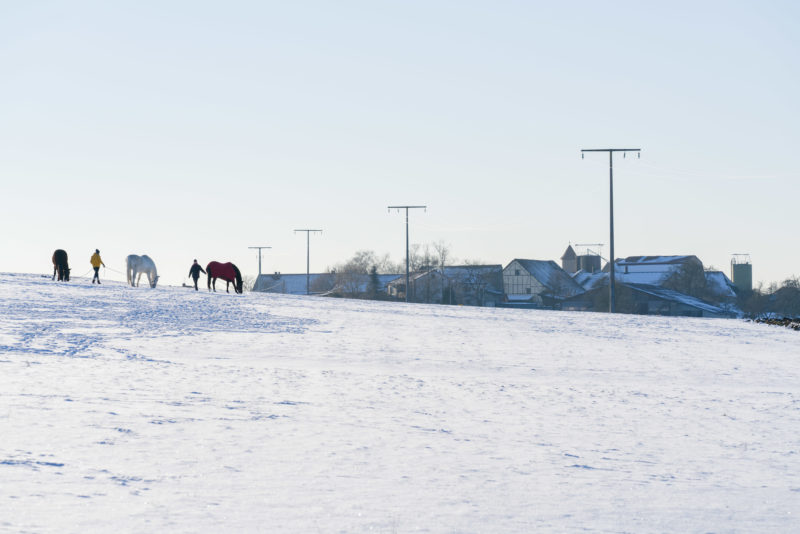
(398,208)
(259,258)
(308,255)
(612,299)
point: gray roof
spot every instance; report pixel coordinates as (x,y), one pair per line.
(589,281)
(654,260)
(458,270)
(600,280)
(720,284)
(675,296)
(551,276)
(569,254)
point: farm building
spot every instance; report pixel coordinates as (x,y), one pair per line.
(470,285)
(327,284)
(644,299)
(538,283)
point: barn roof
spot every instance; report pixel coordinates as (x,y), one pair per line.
(551,276)
(589,281)
(655,260)
(720,284)
(569,254)
(675,296)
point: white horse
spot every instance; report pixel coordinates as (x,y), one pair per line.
(139,265)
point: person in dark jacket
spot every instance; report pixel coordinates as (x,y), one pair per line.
(194,272)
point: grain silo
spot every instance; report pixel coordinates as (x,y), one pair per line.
(742,272)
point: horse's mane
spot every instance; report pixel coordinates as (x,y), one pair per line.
(238,278)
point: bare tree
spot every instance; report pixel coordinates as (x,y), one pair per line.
(442,253)
(786,300)
(323,283)
(689,279)
(351,284)
(248,282)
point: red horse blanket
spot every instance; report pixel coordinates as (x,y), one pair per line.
(225,271)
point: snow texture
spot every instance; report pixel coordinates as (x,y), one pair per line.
(169,410)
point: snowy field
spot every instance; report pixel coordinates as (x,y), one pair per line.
(138,410)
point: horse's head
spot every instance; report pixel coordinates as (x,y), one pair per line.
(237,284)
(155,281)
(66,274)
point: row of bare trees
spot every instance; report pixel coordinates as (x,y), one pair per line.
(773,300)
(359,275)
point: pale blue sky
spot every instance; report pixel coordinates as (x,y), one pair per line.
(195,129)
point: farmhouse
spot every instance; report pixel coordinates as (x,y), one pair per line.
(538,283)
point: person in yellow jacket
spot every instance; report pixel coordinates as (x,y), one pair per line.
(96,263)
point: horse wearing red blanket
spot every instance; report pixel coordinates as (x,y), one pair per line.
(228,272)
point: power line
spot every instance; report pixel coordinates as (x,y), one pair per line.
(308,255)
(612,299)
(259,258)
(398,208)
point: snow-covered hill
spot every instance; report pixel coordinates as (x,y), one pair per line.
(139,410)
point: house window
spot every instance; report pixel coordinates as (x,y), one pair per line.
(516,272)
(529,291)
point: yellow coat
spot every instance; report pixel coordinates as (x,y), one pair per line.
(96,261)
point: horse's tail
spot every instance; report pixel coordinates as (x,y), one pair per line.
(128,268)
(238,286)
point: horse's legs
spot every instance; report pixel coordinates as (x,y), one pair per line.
(227,286)
(55,268)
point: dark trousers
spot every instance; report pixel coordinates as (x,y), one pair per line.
(96,275)
(195,278)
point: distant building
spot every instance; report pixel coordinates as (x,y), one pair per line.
(569,260)
(661,285)
(644,299)
(290,284)
(572,262)
(325,284)
(653,269)
(538,283)
(470,285)
(720,286)
(589,263)
(742,272)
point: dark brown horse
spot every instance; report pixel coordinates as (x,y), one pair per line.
(228,272)
(60,266)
